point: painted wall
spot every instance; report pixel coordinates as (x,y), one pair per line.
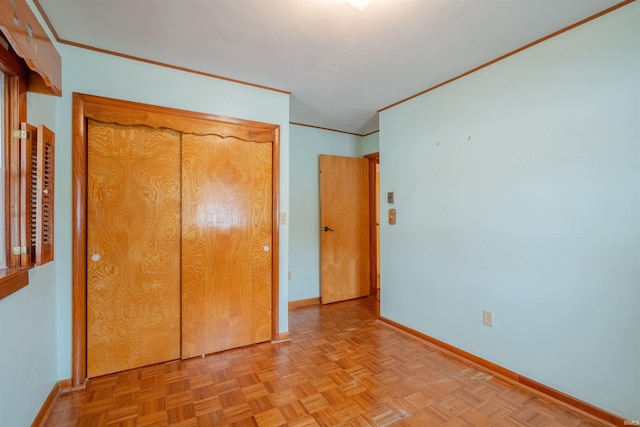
(369,144)
(517,190)
(28,318)
(104,75)
(36,320)
(304,256)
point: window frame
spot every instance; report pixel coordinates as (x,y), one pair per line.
(13,277)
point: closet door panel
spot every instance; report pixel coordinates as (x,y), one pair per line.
(133,247)
(226,243)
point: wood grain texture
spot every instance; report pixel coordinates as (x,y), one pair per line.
(28,150)
(226,243)
(27,37)
(275,236)
(48,403)
(133,113)
(342,368)
(12,280)
(45,195)
(79,245)
(344,207)
(512,376)
(303,303)
(15,88)
(133,224)
(12,64)
(374,220)
(105,109)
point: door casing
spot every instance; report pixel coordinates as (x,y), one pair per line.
(374,219)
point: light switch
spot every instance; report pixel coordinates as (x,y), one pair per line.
(390,197)
(392,216)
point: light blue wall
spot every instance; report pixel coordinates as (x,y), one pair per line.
(28,318)
(517,190)
(110,76)
(28,348)
(369,144)
(304,256)
(35,322)
(535,217)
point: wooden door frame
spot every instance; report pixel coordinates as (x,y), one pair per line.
(129,113)
(374,159)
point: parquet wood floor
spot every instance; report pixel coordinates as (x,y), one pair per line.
(342,368)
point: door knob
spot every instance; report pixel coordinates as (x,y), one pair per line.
(328,229)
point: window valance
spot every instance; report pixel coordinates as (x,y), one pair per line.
(30,41)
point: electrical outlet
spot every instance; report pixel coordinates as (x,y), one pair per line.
(487,317)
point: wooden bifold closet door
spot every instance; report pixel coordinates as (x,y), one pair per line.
(179,243)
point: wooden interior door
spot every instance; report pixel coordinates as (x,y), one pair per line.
(133,247)
(226,243)
(344,228)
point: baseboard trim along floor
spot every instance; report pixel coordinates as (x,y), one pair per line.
(513,376)
(339,364)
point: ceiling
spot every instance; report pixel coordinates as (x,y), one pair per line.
(340,65)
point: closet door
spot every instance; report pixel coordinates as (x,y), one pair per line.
(226,243)
(133,247)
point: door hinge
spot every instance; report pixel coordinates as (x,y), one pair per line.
(20,250)
(21,134)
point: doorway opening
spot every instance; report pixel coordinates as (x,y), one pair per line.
(374,221)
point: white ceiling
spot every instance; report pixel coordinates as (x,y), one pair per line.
(340,65)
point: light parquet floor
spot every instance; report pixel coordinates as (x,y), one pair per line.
(342,368)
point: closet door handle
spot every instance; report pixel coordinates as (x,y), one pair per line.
(327,229)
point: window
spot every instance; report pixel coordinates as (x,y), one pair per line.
(27,156)
(12,277)
(26,171)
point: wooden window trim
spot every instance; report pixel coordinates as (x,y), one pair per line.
(29,192)
(30,42)
(13,277)
(18,78)
(12,280)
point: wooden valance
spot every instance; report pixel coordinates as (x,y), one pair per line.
(29,40)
